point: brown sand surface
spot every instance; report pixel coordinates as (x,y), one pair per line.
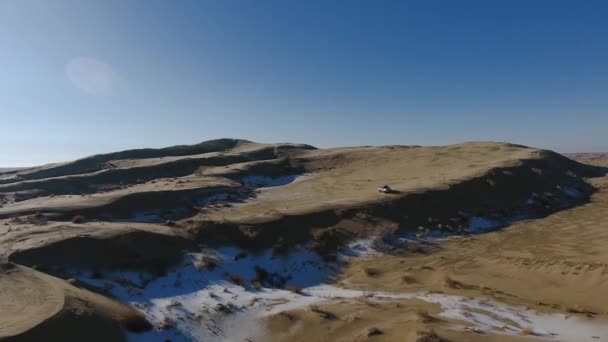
(553,263)
(364,320)
(346,177)
(36,307)
(558,262)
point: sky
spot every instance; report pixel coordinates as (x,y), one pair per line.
(85,77)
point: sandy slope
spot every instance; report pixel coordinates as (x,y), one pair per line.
(559,262)
(97,244)
(408,320)
(348,176)
(36,307)
(261,196)
(554,264)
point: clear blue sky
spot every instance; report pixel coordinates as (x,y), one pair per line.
(83,77)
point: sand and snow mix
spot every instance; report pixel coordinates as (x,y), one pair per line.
(199,300)
(222,294)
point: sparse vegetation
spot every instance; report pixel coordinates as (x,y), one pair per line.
(208,263)
(454,284)
(226,308)
(323,313)
(428,335)
(238,280)
(371,272)
(408,279)
(425,317)
(16,220)
(255,229)
(36,219)
(166,324)
(329,257)
(576,309)
(528,331)
(261,274)
(290,317)
(78,219)
(294,289)
(134,321)
(374,332)
(280,247)
(240,255)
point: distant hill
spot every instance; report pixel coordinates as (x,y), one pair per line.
(9,169)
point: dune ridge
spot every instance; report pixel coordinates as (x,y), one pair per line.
(143,209)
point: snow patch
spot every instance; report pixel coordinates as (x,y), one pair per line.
(193,303)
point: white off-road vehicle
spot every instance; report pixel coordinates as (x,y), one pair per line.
(384,188)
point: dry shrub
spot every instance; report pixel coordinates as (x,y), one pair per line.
(38,219)
(134,321)
(256,284)
(323,313)
(318,234)
(315,246)
(227,308)
(272,279)
(240,255)
(291,317)
(374,332)
(16,220)
(371,272)
(408,279)
(415,247)
(425,317)
(325,234)
(238,280)
(174,304)
(454,284)
(78,219)
(428,335)
(280,247)
(576,309)
(209,263)
(329,256)
(294,289)
(167,323)
(527,331)
(261,274)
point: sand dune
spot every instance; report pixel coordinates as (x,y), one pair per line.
(37,307)
(141,211)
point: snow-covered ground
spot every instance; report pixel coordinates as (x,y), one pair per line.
(201,301)
(195,302)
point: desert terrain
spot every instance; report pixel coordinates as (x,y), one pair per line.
(230,240)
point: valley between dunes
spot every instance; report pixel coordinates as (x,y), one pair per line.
(230,240)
